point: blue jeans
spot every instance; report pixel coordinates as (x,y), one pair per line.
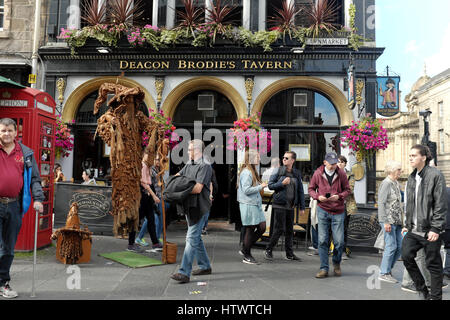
(195,249)
(392,248)
(10,224)
(314,237)
(158,223)
(447,262)
(336,222)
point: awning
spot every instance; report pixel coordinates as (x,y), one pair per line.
(6,83)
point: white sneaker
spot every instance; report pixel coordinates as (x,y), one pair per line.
(7,292)
(387,278)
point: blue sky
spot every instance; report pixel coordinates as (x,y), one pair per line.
(414,33)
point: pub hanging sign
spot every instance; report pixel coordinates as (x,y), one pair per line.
(388,99)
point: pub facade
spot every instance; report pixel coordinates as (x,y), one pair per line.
(303,91)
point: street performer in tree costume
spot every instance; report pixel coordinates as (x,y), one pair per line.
(121,127)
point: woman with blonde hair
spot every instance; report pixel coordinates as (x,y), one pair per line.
(250,203)
(390,217)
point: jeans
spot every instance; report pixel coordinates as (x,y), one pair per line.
(413,243)
(315,237)
(194,249)
(158,222)
(392,248)
(336,222)
(206,221)
(420,260)
(10,224)
(447,262)
(283,221)
(145,210)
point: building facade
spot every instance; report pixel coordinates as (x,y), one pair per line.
(408,128)
(300,91)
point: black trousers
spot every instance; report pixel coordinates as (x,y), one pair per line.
(283,222)
(410,245)
(145,210)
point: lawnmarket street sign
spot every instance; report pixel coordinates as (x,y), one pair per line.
(326,41)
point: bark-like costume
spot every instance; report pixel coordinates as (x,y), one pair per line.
(121,128)
(71,248)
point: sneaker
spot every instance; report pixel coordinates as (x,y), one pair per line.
(387,278)
(268,255)
(249,260)
(424,295)
(7,292)
(141,242)
(181,278)
(158,247)
(201,272)
(204,232)
(322,274)
(241,252)
(293,258)
(409,288)
(313,252)
(134,248)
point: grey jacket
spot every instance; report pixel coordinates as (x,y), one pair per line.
(431,201)
(390,209)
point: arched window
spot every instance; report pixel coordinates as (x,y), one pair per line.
(207,106)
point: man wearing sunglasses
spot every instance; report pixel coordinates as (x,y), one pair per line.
(288,187)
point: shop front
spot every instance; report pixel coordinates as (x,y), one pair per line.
(302,98)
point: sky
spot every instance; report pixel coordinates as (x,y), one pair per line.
(414,33)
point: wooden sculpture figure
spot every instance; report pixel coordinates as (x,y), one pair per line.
(121,127)
(70,238)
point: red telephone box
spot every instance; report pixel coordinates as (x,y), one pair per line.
(34,113)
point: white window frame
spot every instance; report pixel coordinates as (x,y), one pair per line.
(3,15)
(441,141)
(441,109)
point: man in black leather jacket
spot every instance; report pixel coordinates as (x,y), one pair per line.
(426,209)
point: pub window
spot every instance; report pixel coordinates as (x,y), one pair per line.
(271,10)
(58,17)
(300,107)
(147,14)
(302,19)
(162,13)
(236,15)
(2,14)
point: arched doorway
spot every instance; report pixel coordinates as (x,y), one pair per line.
(214,110)
(308,124)
(89,150)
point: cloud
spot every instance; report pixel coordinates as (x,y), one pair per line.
(412,47)
(440,61)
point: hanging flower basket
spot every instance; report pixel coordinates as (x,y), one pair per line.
(63,139)
(247,133)
(365,138)
(166,124)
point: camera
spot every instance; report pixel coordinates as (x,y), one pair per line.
(327,195)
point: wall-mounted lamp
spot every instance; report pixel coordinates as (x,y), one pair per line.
(297,50)
(103,49)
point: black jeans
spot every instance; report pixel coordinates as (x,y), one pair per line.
(10,224)
(410,245)
(145,210)
(283,222)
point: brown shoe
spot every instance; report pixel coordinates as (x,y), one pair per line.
(201,272)
(337,270)
(322,274)
(181,278)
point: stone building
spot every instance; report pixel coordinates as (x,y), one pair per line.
(407,128)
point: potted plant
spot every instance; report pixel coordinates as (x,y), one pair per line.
(322,15)
(284,19)
(190,18)
(218,21)
(365,137)
(63,139)
(94,12)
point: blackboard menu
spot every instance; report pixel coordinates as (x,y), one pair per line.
(94,206)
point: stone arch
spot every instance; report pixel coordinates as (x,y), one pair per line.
(76,97)
(331,92)
(204,83)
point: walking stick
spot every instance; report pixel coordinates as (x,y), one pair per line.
(33,294)
(163,207)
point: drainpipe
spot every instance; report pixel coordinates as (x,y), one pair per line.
(36,38)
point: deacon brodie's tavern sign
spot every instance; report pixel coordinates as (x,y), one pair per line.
(208,64)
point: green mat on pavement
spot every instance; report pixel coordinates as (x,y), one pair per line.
(131,259)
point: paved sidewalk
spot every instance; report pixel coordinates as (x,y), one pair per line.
(231,279)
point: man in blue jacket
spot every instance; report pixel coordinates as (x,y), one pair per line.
(289,194)
(19,181)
